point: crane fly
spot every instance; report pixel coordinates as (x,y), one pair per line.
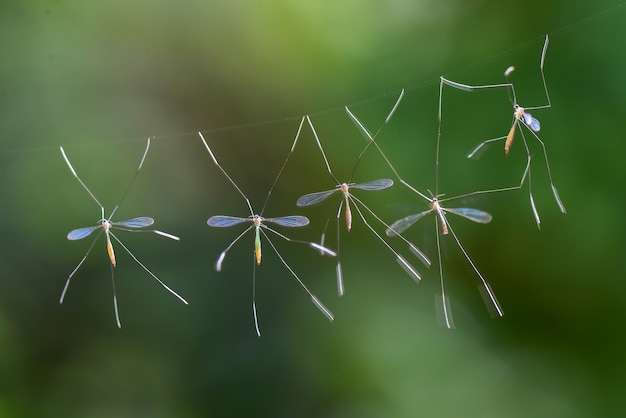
(344,189)
(521,118)
(259,224)
(106,225)
(441,222)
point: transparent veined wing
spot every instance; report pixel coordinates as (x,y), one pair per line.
(403,224)
(139,222)
(474,215)
(81,232)
(289,221)
(531,122)
(378,184)
(221,221)
(314,198)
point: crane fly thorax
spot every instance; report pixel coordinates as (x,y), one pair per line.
(345,188)
(256,220)
(106,224)
(518,112)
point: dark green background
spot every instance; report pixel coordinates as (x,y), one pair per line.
(100,77)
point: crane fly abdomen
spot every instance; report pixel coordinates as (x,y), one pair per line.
(345,189)
(509,138)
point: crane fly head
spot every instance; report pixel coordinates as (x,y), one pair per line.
(434,205)
(106,225)
(518,111)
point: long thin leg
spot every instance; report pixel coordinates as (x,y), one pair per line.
(419,253)
(339,271)
(323,237)
(117,314)
(411,271)
(149,272)
(366,133)
(314,299)
(446,313)
(543,77)
(554,191)
(323,250)
(145,153)
(67,161)
(490,295)
(465,87)
(156,231)
(220,259)
(480,148)
(293,146)
(206,145)
(319,145)
(530,187)
(67,283)
(254,313)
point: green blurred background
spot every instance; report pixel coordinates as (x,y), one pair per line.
(100,77)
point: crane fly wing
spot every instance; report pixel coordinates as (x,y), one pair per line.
(314,198)
(474,215)
(403,224)
(378,184)
(81,232)
(531,122)
(289,221)
(139,222)
(221,221)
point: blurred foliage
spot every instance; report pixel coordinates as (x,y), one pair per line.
(100,77)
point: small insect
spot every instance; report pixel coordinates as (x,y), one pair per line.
(344,189)
(106,225)
(259,224)
(520,114)
(441,222)
(521,117)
